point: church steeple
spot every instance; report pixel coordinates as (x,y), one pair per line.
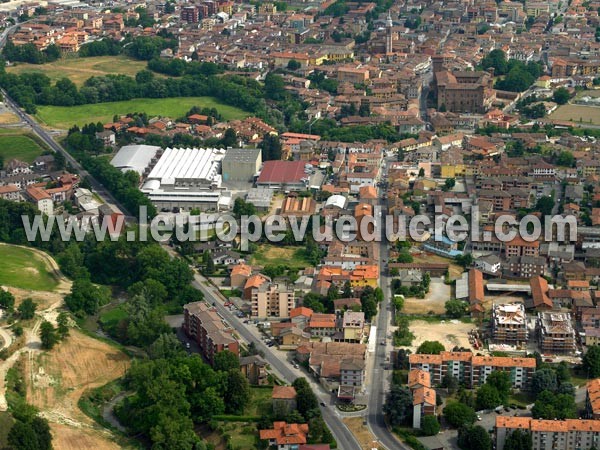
(388,35)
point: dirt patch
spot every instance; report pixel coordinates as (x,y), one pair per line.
(8,118)
(449,333)
(362,434)
(69,438)
(58,378)
(433,303)
(78,363)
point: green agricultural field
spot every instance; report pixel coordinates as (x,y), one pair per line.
(19,146)
(64,117)
(80,69)
(25,269)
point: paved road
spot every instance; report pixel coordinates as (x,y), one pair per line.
(345,439)
(376,418)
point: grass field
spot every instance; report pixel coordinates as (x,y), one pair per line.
(65,117)
(288,256)
(80,69)
(260,402)
(22,268)
(578,113)
(19,146)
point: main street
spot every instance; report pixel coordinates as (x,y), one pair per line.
(378,375)
(345,439)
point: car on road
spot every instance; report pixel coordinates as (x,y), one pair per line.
(187,345)
(479,418)
(383,342)
(323,404)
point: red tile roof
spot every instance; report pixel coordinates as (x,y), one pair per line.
(282,172)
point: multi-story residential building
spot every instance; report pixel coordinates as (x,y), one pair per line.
(424,397)
(352,372)
(353,325)
(272,300)
(555,333)
(520,247)
(473,370)
(566,434)
(509,324)
(203,324)
(322,325)
(525,266)
(520,370)
(255,369)
(592,399)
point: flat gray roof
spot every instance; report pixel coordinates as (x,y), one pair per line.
(242,155)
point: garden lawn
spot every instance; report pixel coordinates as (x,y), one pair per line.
(293,257)
(260,402)
(19,146)
(22,268)
(64,117)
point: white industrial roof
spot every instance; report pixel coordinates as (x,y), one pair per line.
(134,157)
(336,200)
(187,163)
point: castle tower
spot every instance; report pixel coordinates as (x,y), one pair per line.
(388,35)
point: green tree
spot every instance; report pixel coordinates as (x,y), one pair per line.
(456,308)
(449,184)
(458,414)
(209,264)
(237,392)
(561,95)
(431,348)
(488,397)
(48,335)
(450,382)
(495,59)
(430,425)
(274,86)
(474,437)
(85,298)
(591,361)
(293,65)
(544,380)
(7,300)
(398,405)
(27,309)
(226,361)
(271,147)
(545,205)
(306,400)
(500,380)
(518,440)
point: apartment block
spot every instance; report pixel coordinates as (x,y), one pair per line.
(520,370)
(566,434)
(473,370)
(203,324)
(555,333)
(272,300)
(509,324)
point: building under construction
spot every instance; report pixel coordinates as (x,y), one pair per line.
(555,332)
(509,324)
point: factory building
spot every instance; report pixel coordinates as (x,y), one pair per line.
(241,164)
(187,178)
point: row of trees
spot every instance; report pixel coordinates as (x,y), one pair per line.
(29,53)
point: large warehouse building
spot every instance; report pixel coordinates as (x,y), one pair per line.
(284,175)
(187,178)
(135,157)
(241,164)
